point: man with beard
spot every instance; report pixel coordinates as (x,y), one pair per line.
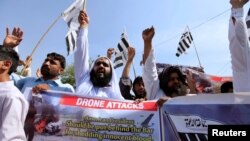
(99,80)
(52,67)
(170,83)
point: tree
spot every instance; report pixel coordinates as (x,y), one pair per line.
(69,76)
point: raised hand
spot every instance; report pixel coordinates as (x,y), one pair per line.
(148,34)
(131,53)
(38,73)
(83,19)
(238,3)
(14,39)
(28,61)
(110,52)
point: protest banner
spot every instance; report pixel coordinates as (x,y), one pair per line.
(203,83)
(187,118)
(66,117)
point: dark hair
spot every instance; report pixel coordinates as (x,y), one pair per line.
(138,79)
(224,88)
(58,57)
(7,53)
(164,76)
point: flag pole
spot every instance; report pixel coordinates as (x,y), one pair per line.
(195,50)
(45,34)
(125,32)
(41,39)
(84,5)
(134,69)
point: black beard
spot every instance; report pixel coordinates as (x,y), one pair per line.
(176,91)
(47,74)
(99,79)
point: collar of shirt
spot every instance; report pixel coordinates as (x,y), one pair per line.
(6,84)
(56,82)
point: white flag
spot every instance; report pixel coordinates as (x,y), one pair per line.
(70,15)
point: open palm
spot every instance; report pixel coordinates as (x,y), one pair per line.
(14,39)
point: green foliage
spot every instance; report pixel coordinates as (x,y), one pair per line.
(68,76)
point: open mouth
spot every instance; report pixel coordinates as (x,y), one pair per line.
(100,74)
(44,68)
(101,70)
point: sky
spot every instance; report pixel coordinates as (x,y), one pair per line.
(207,20)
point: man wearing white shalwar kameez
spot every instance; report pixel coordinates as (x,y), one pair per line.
(239,47)
(14,106)
(103,67)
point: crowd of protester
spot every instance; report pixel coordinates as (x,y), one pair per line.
(100,79)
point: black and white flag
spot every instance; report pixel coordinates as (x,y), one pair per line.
(119,59)
(121,54)
(71,41)
(70,15)
(184,43)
